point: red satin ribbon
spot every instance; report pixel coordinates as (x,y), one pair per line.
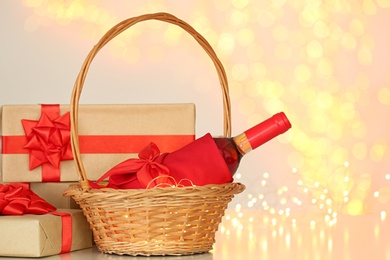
(48,141)
(145,170)
(96,144)
(66,231)
(19,200)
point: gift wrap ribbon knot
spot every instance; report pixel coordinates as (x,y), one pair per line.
(20,200)
(148,171)
(48,141)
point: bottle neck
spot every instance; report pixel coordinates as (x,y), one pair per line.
(262,133)
(242,143)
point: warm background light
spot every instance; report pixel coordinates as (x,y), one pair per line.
(325,63)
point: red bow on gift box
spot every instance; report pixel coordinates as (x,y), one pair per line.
(16,200)
(48,139)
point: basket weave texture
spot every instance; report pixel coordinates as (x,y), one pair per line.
(158,221)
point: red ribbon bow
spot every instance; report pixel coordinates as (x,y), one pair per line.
(48,139)
(18,200)
(144,172)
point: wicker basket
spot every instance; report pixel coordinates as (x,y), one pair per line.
(158,221)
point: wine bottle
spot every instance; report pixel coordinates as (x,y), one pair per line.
(234,148)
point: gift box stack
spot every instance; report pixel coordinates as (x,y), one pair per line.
(36,156)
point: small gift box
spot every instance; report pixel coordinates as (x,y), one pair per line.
(36,138)
(52,192)
(53,233)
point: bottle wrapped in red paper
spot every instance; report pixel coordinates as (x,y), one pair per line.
(198,163)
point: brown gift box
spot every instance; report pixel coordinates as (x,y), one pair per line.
(52,192)
(108,134)
(41,235)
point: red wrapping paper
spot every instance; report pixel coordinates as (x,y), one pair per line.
(198,163)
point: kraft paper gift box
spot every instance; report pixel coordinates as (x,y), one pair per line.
(52,192)
(36,147)
(43,235)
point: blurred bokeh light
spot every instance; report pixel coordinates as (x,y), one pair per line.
(325,63)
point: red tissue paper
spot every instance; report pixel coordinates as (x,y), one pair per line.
(198,163)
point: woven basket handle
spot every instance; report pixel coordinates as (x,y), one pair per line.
(111,34)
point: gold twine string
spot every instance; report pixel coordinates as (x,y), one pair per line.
(167,184)
(185,179)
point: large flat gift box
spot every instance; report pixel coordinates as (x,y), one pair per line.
(43,235)
(36,141)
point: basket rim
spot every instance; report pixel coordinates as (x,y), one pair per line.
(225,189)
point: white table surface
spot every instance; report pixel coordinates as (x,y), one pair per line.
(274,237)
